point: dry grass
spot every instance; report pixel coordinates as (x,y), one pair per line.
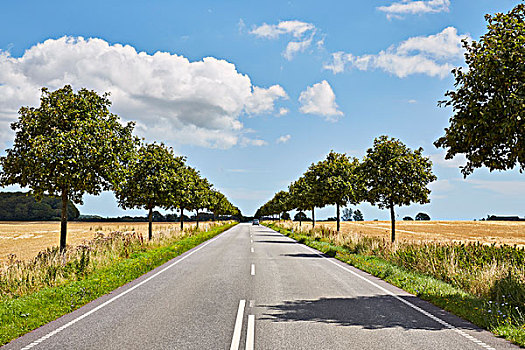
(26,239)
(486,232)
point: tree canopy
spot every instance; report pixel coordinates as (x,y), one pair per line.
(336,181)
(394,175)
(488,124)
(149,178)
(68,146)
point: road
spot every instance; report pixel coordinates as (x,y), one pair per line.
(252,288)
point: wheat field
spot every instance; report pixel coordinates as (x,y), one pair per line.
(487,232)
(26,239)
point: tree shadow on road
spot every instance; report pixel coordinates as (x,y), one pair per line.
(369,312)
(284,242)
(306,255)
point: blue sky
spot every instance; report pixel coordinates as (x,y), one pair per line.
(253,92)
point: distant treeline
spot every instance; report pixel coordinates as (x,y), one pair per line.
(156,217)
(20,206)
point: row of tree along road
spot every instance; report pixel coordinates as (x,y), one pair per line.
(487,126)
(390,175)
(73,145)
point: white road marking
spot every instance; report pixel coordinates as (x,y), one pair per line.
(251,303)
(251,240)
(253,269)
(417,308)
(70,323)
(252,250)
(250,333)
(236,339)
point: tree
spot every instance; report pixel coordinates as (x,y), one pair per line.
(347,214)
(19,206)
(358,216)
(337,181)
(201,196)
(300,216)
(422,217)
(219,204)
(488,124)
(393,174)
(192,193)
(149,180)
(408,218)
(68,146)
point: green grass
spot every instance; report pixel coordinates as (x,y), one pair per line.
(22,314)
(502,318)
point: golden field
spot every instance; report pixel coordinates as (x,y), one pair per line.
(26,239)
(487,232)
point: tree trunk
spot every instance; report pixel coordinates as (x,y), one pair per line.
(63,222)
(150,223)
(393,219)
(181,219)
(300,220)
(313,217)
(338,217)
(197,218)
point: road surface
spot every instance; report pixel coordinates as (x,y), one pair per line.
(252,288)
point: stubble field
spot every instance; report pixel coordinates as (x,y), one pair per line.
(26,239)
(487,232)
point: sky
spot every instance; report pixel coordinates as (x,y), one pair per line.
(253,92)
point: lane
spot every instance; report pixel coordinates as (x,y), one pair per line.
(191,306)
(306,301)
(252,288)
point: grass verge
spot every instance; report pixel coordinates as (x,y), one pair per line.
(501,318)
(22,314)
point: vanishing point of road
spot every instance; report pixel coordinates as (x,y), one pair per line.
(253,288)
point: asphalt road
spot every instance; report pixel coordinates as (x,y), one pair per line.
(252,288)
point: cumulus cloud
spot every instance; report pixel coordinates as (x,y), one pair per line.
(284,139)
(410,7)
(320,99)
(302,32)
(432,55)
(169,97)
(283,111)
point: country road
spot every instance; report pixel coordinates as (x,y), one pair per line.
(252,288)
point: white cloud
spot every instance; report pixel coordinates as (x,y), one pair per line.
(412,101)
(456,162)
(170,98)
(398,9)
(507,188)
(302,32)
(294,47)
(283,111)
(262,100)
(320,99)
(441,186)
(284,139)
(272,31)
(432,55)
(244,142)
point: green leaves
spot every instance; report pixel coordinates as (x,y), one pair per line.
(70,143)
(488,124)
(392,174)
(152,178)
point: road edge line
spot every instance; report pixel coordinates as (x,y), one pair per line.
(118,296)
